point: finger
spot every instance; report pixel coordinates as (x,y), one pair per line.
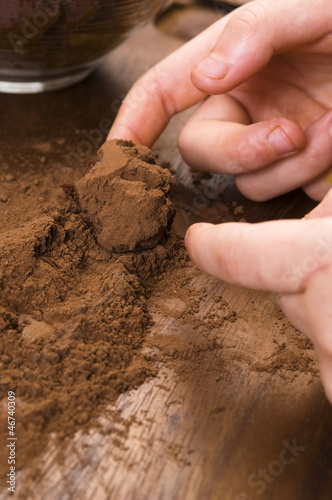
(324,209)
(218,138)
(253,34)
(295,171)
(319,311)
(311,313)
(278,256)
(322,45)
(163,91)
(292,304)
(319,187)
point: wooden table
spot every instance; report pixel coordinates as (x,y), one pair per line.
(210,434)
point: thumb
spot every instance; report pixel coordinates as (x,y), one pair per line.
(253,34)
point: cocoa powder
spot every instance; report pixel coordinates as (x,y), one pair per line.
(73,315)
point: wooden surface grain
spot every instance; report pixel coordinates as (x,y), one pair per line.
(194,432)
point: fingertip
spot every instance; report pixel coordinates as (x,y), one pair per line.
(286,139)
(317,192)
(250,186)
(212,66)
(119,131)
(294,133)
(209,74)
(214,248)
(204,84)
(197,244)
(193,232)
(320,190)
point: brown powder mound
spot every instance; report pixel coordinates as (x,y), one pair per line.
(73,316)
(125,199)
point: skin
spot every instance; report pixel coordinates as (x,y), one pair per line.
(263,76)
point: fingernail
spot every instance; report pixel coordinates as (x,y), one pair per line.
(280,142)
(198,227)
(212,67)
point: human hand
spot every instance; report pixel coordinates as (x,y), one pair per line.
(292,258)
(268,121)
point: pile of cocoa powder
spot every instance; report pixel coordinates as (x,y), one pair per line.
(73,313)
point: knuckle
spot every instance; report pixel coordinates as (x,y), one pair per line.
(232,166)
(310,161)
(248,18)
(153,83)
(248,151)
(316,161)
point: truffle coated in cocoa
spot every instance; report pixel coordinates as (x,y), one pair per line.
(125,198)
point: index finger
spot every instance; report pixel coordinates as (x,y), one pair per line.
(279,256)
(166,89)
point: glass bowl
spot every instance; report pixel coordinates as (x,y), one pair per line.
(51,44)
